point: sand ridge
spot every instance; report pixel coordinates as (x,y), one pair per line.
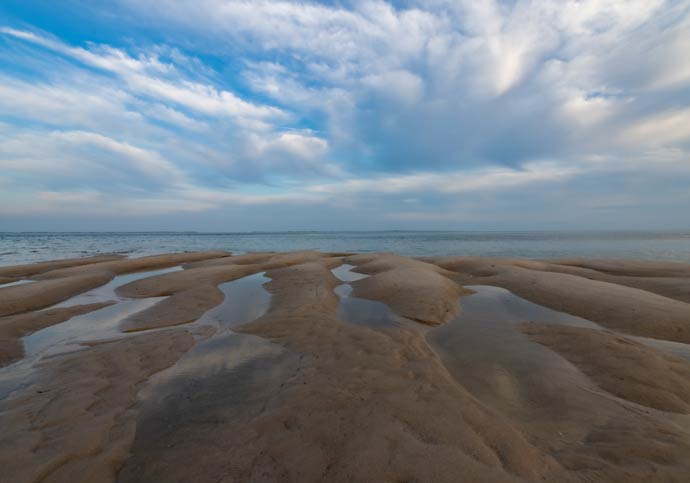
(195,290)
(79,429)
(619,307)
(413,289)
(356,408)
(345,402)
(53,285)
(32,269)
(13,327)
(621,366)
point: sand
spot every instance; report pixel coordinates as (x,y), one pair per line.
(413,289)
(12,328)
(55,283)
(24,271)
(74,423)
(621,366)
(194,290)
(433,399)
(37,295)
(621,307)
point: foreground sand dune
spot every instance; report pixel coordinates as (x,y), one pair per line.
(441,395)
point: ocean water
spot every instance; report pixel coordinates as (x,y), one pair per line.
(18,248)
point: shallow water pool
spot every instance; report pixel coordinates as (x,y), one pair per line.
(359,311)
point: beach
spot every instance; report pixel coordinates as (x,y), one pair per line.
(310,366)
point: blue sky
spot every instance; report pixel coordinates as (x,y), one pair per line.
(221,115)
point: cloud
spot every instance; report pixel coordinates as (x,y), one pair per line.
(663,128)
(442,84)
(151,102)
(73,169)
(431,104)
(142,75)
(453,182)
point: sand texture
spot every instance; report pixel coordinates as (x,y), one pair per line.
(31,269)
(12,328)
(620,307)
(462,387)
(55,284)
(621,366)
(78,429)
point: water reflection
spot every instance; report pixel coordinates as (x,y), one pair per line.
(483,342)
(495,306)
(359,311)
(498,305)
(214,382)
(67,336)
(96,325)
(484,350)
(344,273)
(107,292)
(245,300)
(13,284)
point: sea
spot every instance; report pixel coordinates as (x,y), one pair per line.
(16,248)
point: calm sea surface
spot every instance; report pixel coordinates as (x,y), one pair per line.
(31,247)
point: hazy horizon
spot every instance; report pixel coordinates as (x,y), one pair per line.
(234,116)
(211,232)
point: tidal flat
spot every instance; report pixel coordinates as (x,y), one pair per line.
(311,366)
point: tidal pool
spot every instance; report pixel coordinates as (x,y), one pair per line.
(484,350)
(359,311)
(483,342)
(213,386)
(67,336)
(99,324)
(486,353)
(245,300)
(107,291)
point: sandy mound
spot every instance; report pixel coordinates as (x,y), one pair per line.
(619,307)
(78,429)
(360,406)
(55,285)
(129,265)
(343,402)
(413,289)
(621,366)
(36,295)
(195,290)
(20,271)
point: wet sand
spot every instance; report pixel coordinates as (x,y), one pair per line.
(309,366)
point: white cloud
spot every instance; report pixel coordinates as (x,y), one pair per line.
(302,145)
(82,154)
(172,116)
(442,98)
(660,129)
(398,86)
(452,182)
(64,104)
(146,75)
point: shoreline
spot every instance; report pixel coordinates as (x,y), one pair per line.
(651,245)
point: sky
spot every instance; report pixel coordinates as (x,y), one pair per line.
(222,115)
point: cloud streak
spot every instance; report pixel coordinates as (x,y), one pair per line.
(234,106)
